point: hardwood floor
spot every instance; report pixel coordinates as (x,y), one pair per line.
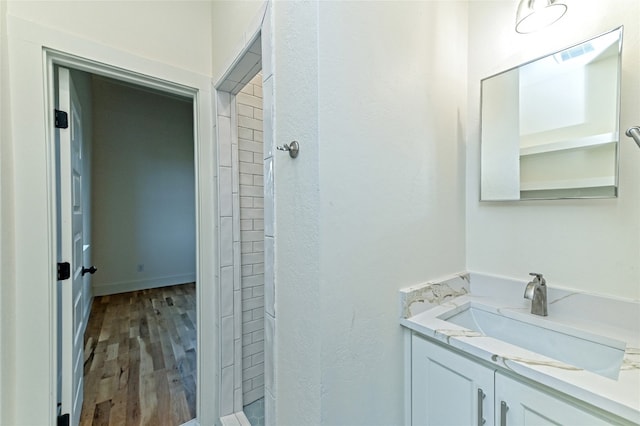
(140,358)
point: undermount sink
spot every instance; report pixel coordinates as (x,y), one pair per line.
(594,353)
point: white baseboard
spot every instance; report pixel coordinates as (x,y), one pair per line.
(126,286)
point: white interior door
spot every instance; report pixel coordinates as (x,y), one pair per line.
(71,247)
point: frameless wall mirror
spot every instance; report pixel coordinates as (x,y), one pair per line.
(550,127)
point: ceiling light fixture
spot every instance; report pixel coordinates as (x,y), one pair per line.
(536,14)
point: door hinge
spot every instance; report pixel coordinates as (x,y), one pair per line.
(63,420)
(64,271)
(62,119)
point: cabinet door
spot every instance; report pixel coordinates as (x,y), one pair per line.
(447,388)
(519,404)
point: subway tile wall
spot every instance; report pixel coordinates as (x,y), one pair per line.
(251,182)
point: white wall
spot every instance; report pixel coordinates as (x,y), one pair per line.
(231,19)
(297,324)
(392,102)
(143,190)
(173,32)
(590,245)
(7,334)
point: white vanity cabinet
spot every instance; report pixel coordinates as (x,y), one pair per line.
(519,404)
(447,388)
(452,389)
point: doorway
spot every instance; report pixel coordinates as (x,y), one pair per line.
(133,220)
(247,255)
(141,343)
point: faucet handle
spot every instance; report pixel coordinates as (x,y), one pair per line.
(538,277)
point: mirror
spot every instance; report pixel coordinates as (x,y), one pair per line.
(550,127)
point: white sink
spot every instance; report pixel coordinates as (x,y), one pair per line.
(598,354)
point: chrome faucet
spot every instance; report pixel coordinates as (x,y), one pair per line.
(536,291)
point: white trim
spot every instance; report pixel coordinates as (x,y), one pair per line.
(133,285)
(235,419)
(33,49)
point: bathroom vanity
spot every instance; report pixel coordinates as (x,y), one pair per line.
(478,356)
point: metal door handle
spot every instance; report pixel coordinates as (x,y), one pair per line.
(481,397)
(91,270)
(503,413)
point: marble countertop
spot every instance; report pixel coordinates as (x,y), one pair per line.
(619,320)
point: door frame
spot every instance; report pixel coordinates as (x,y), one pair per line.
(33,52)
(55,58)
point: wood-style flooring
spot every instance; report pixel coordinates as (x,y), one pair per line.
(140,358)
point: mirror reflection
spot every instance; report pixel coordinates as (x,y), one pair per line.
(550,127)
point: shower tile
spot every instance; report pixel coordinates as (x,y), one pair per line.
(269,284)
(237,366)
(268,197)
(223,103)
(235,181)
(246,156)
(230,420)
(225,196)
(227,344)
(237,256)
(259,359)
(226,398)
(226,241)
(257,91)
(236,216)
(256,45)
(237,401)
(237,275)
(229,85)
(246,178)
(226,291)
(237,306)
(224,147)
(244,68)
(269,409)
(267,44)
(267,113)
(255,412)
(224,135)
(270,353)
